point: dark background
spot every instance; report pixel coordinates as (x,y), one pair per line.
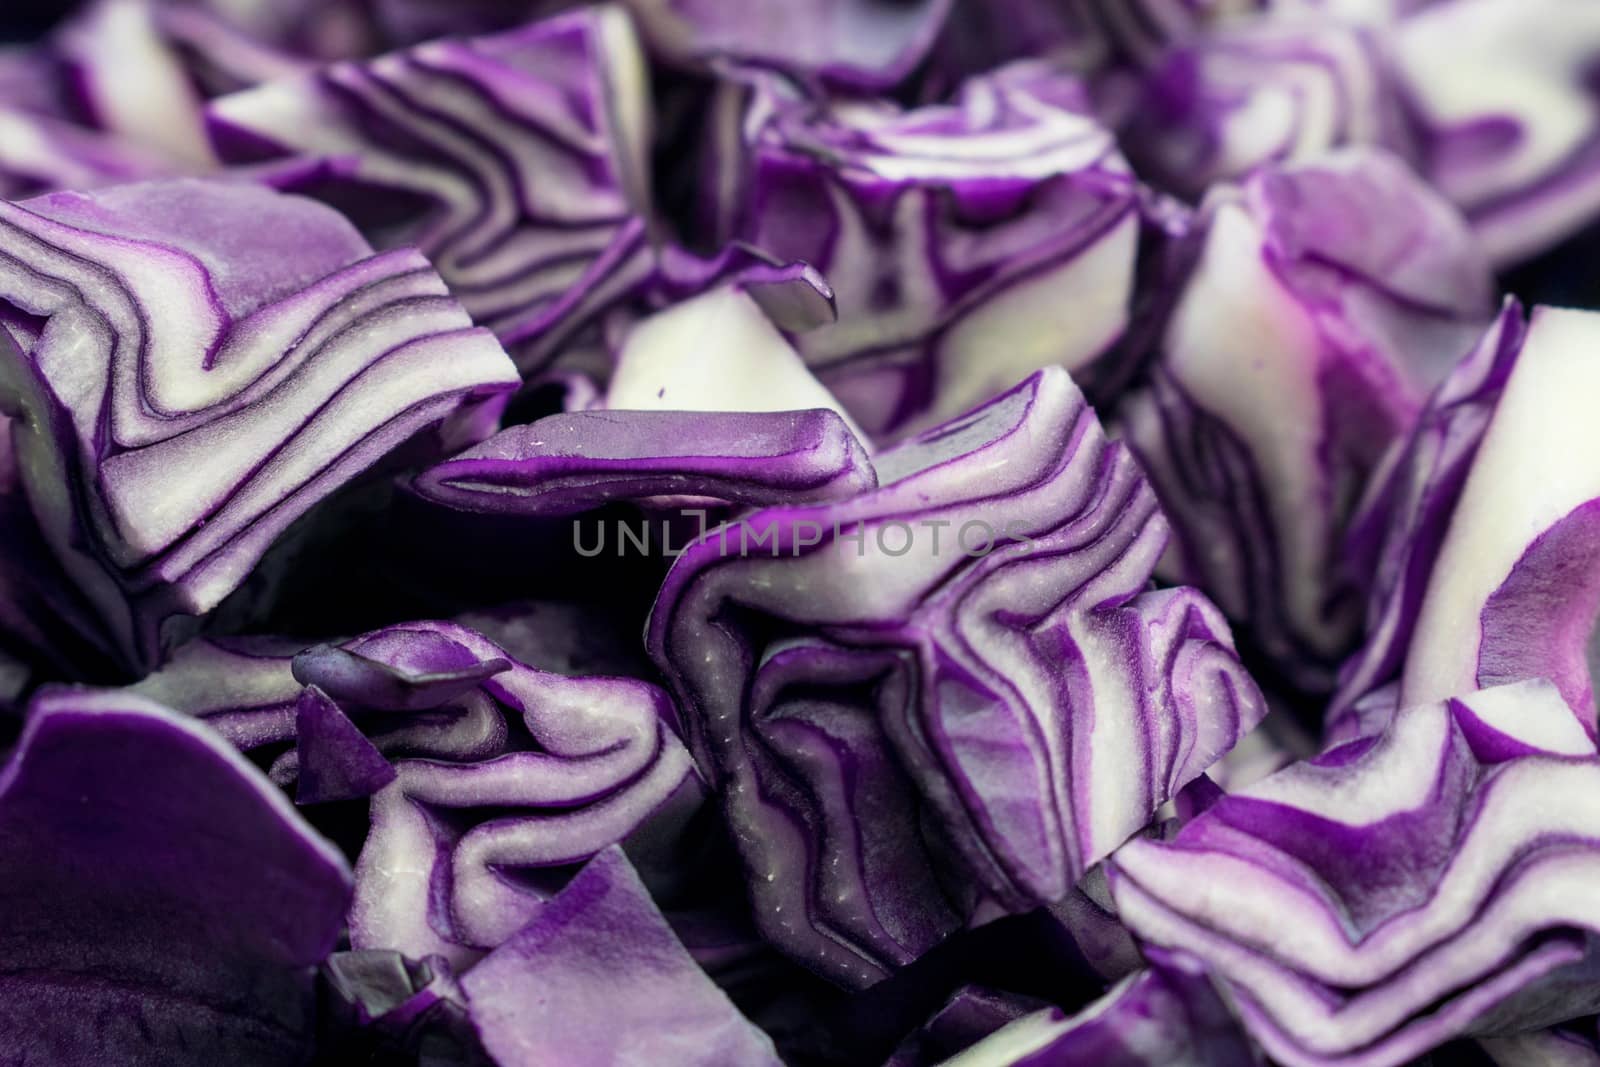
(21,20)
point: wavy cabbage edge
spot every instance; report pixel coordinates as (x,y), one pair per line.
(489,780)
(900,732)
(1419,883)
(516,162)
(969,243)
(251,341)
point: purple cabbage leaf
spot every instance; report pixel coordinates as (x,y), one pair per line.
(1402,889)
(568,464)
(516,162)
(164,903)
(1323,304)
(1513,592)
(890,720)
(969,243)
(492,779)
(598,976)
(1397,531)
(285,361)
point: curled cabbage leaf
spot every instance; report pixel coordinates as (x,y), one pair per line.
(969,243)
(1399,890)
(515,162)
(964,670)
(164,904)
(1323,304)
(496,779)
(249,340)
(675,428)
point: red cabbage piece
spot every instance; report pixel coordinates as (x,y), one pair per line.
(1009,702)
(1400,890)
(400,668)
(599,977)
(164,904)
(568,464)
(1324,303)
(115,92)
(501,777)
(475,806)
(1396,534)
(248,340)
(1515,590)
(969,243)
(244,688)
(103,99)
(1519,151)
(515,162)
(1263,91)
(1169,1015)
(592,329)
(125,78)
